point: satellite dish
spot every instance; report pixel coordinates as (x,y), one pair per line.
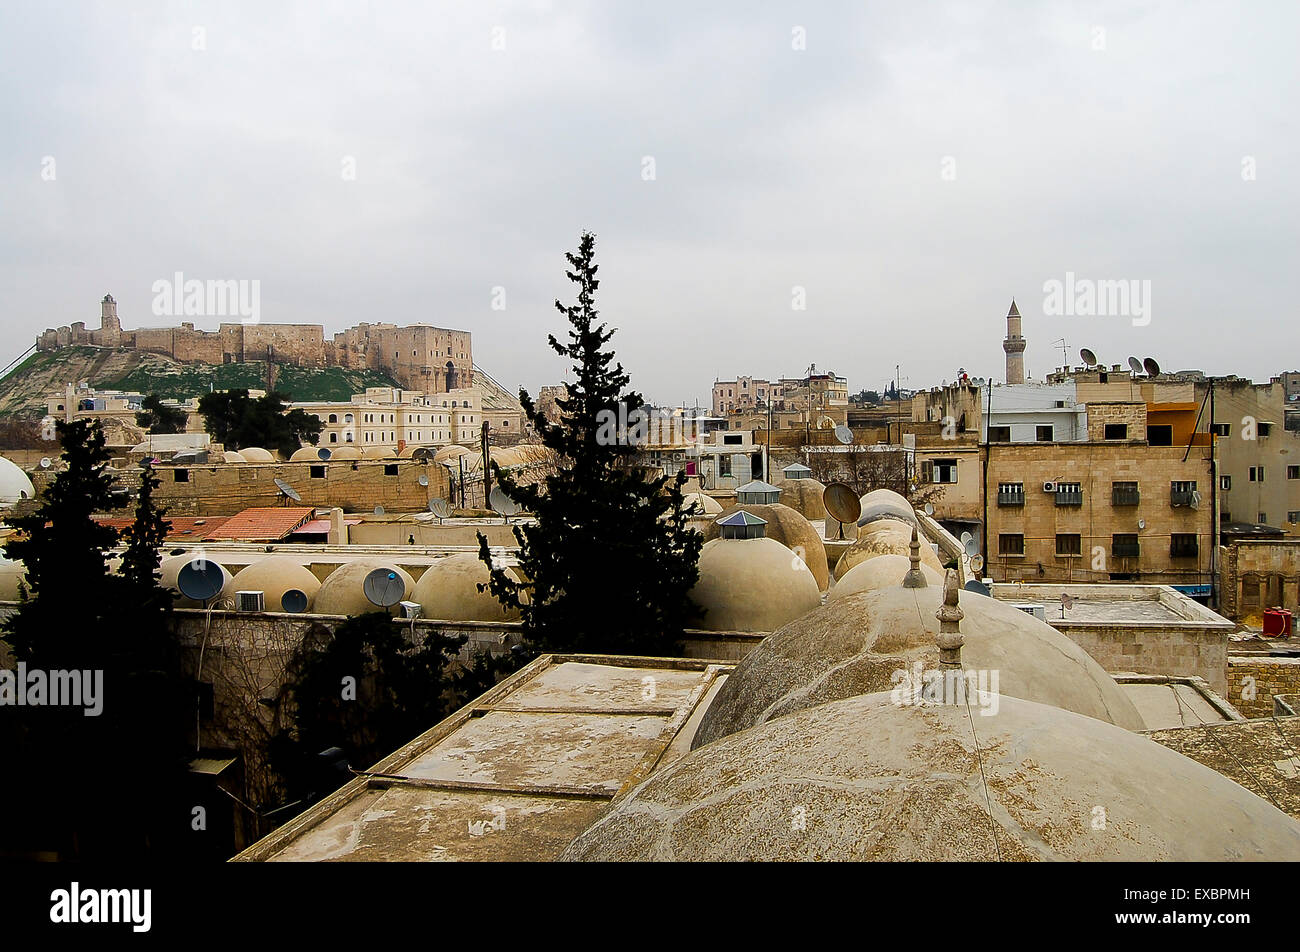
(501,503)
(288,490)
(929,509)
(440,508)
(977,565)
(323,454)
(379,510)
(966,537)
(423,480)
(1135,365)
(384,587)
(844,434)
(294,601)
(46,462)
(842,503)
(200,579)
(978,587)
(1088,357)
(1067,601)
(1152,368)
(972,547)
(1142,523)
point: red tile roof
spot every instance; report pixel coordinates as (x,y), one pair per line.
(322,526)
(183,528)
(268,524)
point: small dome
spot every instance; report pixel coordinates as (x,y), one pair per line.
(804,496)
(278,576)
(752,585)
(11,574)
(14,484)
(863,643)
(707,505)
(306,454)
(255,454)
(378,452)
(884,571)
(230,456)
(787,527)
(343,592)
(887,504)
(884,537)
(448,590)
(450,453)
(170,568)
(878,780)
(344,453)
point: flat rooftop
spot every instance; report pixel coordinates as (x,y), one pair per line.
(1112,604)
(515,775)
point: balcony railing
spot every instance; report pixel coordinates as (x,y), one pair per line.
(1124,497)
(1067,498)
(1014,497)
(1180,497)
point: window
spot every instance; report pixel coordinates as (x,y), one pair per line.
(999,434)
(1162,434)
(1115,431)
(347,418)
(734,440)
(334,418)
(1070,543)
(1181,492)
(181,475)
(1183,545)
(724,465)
(1221,429)
(1293,516)
(1011,544)
(1124,494)
(1044,433)
(1225,483)
(1011,494)
(390,469)
(318,472)
(1263,518)
(1265,429)
(334,437)
(1124,546)
(945,470)
(1256,474)
(1069,494)
(1293,472)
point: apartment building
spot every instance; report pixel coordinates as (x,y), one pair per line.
(385,417)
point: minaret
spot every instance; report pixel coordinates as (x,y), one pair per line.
(1014,345)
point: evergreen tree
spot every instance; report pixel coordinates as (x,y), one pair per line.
(157,417)
(235,420)
(610,557)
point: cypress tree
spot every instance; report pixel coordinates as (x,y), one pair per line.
(610,557)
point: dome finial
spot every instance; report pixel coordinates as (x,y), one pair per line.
(950,615)
(914,578)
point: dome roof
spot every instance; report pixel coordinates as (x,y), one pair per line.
(707,504)
(879,780)
(752,585)
(342,593)
(884,537)
(276,576)
(804,496)
(230,456)
(305,454)
(344,452)
(884,571)
(255,454)
(14,484)
(378,452)
(788,528)
(448,590)
(170,568)
(451,451)
(860,644)
(11,573)
(887,504)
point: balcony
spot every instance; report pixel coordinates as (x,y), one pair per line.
(1011,497)
(1180,497)
(1124,497)
(1069,497)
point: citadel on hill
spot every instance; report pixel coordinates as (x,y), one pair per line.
(419,357)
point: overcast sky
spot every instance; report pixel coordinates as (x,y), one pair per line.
(911,168)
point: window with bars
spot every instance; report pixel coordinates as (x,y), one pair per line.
(1183,545)
(1124,546)
(1011,494)
(1069,543)
(1011,544)
(1124,494)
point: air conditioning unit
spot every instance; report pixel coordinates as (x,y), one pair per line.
(1049,487)
(1030,608)
(410,609)
(250,601)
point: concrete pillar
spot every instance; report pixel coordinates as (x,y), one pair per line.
(338,534)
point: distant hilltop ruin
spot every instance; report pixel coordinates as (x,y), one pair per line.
(419,357)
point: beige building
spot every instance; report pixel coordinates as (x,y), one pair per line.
(388,418)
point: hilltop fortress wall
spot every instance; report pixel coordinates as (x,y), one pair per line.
(419,357)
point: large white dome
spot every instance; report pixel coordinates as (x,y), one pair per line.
(14,484)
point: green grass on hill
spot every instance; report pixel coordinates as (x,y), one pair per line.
(300,383)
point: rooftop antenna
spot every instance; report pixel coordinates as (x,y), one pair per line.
(1065,351)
